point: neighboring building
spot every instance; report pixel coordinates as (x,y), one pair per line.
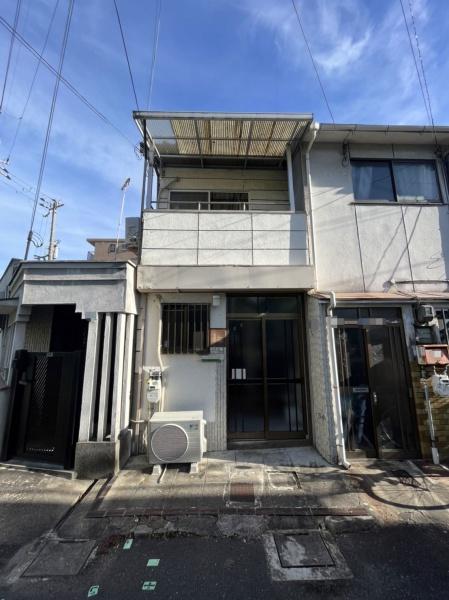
(66,360)
(111,249)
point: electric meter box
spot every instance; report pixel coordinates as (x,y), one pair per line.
(433,354)
(425,313)
(154,384)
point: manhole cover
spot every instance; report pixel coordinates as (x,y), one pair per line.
(305,549)
(241,492)
(60,558)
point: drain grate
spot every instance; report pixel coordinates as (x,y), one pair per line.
(405,478)
(242,492)
(284,479)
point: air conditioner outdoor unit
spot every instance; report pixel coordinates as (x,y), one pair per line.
(176,437)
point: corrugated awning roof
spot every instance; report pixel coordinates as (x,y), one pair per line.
(395,297)
(242,135)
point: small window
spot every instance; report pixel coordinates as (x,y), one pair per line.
(416,182)
(111,248)
(185,328)
(189,200)
(395,180)
(228,201)
(372,181)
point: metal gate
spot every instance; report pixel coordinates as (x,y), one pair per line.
(45,407)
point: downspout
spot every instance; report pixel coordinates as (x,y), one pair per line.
(314,128)
(336,400)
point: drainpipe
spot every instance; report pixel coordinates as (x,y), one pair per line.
(314,128)
(338,418)
(433,442)
(291,192)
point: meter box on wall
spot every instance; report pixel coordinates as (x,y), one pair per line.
(433,354)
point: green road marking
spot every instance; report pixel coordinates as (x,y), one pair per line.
(149,586)
(127,545)
(93,591)
(153,562)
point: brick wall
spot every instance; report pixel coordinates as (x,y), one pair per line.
(440,413)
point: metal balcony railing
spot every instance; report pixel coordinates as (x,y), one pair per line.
(211,205)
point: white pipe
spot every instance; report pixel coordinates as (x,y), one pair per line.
(336,400)
(435,453)
(291,191)
(309,212)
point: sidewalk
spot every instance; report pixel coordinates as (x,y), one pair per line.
(254,496)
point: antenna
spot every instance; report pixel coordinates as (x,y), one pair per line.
(122,206)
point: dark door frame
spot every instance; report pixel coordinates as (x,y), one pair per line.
(382,453)
(302,380)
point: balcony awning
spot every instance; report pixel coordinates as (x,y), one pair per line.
(208,136)
(395,297)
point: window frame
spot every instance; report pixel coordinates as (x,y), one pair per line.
(184,336)
(390,162)
(246,205)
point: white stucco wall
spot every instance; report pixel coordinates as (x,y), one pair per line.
(190,381)
(362,246)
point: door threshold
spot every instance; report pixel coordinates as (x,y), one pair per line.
(39,467)
(261,444)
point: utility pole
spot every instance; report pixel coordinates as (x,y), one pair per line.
(122,206)
(52,208)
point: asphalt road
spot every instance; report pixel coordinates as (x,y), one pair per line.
(395,563)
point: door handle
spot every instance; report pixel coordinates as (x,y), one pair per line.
(375,400)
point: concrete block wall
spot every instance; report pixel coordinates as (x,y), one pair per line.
(322,415)
(440,414)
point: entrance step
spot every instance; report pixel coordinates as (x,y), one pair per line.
(56,471)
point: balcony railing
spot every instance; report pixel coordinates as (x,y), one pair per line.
(229,205)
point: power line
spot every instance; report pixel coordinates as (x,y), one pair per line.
(33,81)
(11,46)
(422,64)
(313,62)
(416,62)
(157,25)
(49,125)
(126,54)
(71,87)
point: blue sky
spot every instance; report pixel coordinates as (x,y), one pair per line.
(224,55)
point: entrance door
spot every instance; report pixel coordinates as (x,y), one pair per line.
(46,407)
(265,382)
(374,391)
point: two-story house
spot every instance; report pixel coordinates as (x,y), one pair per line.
(281,271)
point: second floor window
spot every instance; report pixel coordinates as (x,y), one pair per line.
(395,180)
(208,200)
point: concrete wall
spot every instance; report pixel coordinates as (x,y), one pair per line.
(322,418)
(190,381)
(267,185)
(224,238)
(92,287)
(363,246)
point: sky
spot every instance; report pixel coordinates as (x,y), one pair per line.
(214,55)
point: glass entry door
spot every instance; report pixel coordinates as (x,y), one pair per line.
(265,382)
(374,391)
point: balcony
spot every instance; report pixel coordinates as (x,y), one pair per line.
(224,238)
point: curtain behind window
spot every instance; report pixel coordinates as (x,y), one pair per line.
(416,182)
